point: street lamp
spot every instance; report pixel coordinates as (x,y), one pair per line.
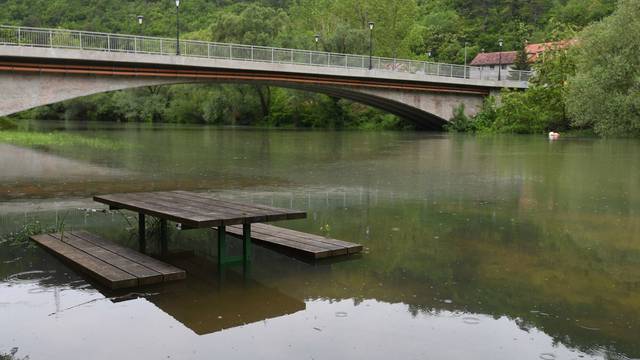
(317,38)
(371,24)
(500,43)
(177,27)
(466,43)
(140,18)
(465,52)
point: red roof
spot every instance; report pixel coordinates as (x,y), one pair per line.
(509,57)
(495,58)
(534,50)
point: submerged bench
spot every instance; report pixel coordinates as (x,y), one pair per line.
(112,265)
(310,245)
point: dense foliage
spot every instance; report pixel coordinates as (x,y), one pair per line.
(594,84)
(605,92)
(404,28)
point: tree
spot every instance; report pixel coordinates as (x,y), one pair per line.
(542,107)
(522,59)
(605,91)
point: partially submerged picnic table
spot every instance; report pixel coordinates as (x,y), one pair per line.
(117,266)
(197,211)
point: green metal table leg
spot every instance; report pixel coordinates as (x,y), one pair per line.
(246,243)
(164,246)
(222,245)
(142,240)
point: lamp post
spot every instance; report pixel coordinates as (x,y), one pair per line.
(177,27)
(371,24)
(317,38)
(465,52)
(500,43)
(140,19)
(466,43)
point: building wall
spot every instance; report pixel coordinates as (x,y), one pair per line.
(485,72)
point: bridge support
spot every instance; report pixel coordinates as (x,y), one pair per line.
(23,91)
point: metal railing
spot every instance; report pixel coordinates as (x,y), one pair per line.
(86,40)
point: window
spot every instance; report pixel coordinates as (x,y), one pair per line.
(504,67)
(492,67)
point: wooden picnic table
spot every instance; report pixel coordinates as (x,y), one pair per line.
(197,211)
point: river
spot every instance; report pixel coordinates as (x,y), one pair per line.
(476,247)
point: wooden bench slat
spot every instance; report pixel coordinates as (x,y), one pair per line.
(143,274)
(309,244)
(169,272)
(301,240)
(293,234)
(111,264)
(101,271)
(306,249)
(270,229)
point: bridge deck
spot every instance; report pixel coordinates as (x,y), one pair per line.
(113,265)
(314,246)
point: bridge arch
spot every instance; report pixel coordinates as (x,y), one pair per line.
(43,66)
(25,91)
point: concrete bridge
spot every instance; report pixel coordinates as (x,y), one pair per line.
(44,66)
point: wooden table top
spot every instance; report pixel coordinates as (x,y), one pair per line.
(196,210)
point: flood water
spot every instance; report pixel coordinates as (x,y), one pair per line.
(500,247)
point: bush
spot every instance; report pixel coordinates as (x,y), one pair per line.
(460,122)
(6,124)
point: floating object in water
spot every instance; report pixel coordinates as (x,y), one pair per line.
(554,135)
(471,320)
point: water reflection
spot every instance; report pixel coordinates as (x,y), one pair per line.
(207,303)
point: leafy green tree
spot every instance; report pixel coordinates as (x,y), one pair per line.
(605,92)
(540,108)
(522,59)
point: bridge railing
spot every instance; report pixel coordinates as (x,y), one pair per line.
(86,40)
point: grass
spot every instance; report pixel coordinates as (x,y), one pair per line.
(60,139)
(34,227)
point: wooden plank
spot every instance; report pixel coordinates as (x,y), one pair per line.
(168,272)
(208,209)
(113,265)
(307,249)
(144,275)
(208,203)
(142,208)
(276,230)
(295,236)
(256,206)
(273,213)
(101,271)
(333,250)
(196,211)
(309,244)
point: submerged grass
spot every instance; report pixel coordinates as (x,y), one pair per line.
(21,237)
(57,139)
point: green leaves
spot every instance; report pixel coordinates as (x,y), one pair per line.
(604,92)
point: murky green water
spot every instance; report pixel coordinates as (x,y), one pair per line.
(476,248)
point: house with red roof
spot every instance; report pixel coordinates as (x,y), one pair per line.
(489,65)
